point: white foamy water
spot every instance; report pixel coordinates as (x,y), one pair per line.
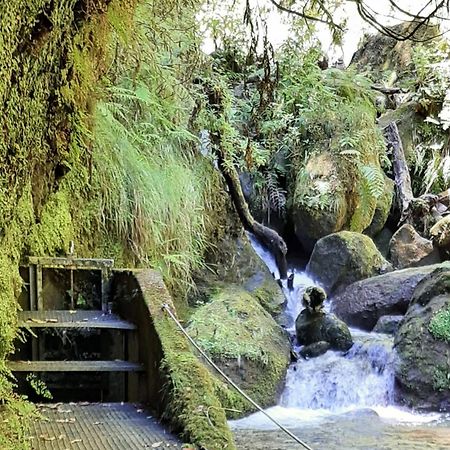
(336,383)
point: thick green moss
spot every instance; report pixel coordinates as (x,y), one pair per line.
(193,406)
(439,325)
(246,342)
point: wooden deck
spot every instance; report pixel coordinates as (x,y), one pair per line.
(93,426)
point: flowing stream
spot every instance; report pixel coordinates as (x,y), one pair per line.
(340,400)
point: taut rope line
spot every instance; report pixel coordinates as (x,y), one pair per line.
(166,308)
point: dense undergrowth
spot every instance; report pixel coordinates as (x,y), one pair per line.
(96,148)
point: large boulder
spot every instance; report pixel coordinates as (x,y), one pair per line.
(408,249)
(247,344)
(312,328)
(382,209)
(423,345)
(343,258)
(323,203)
(236,262)
(319,201)
(362,303)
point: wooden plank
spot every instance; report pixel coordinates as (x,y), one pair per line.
(74,366)
(74,263)
(72,319)
(105,290)
(32,287)
(40,300)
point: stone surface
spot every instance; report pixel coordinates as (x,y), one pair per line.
(440,232)
(382,209)
(423,345)
(388,324)
(408,249)
(314,350)
(343,258)
(312,328)
(362,303)
(245,341)
(315,218)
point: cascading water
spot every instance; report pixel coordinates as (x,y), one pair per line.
(363,377)
(335,384)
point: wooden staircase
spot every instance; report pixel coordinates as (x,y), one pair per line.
(91,340)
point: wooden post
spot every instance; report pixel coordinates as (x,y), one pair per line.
(32,287)
(40,300)
(105,289)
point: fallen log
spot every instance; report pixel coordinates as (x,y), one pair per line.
(401,172)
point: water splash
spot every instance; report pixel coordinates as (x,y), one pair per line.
(334,384)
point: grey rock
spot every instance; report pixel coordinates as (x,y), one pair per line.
(362,303)
(388,324)
(340,259)
(316,327)
(314,350)
(408,249)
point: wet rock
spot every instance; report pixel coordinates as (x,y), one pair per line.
(244,340)
(313,298)
(388,324)
(422,344)
(314,350)
(408,249)
(312,328)
(440,232)
(343,258)
(362,303)
(382,209)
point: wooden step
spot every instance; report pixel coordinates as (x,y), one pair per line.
(73,319)
(75,366)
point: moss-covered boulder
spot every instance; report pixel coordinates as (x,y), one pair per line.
(319,203)
(388,59)
(247,344)
(234,261)
(333,194)
(423,345)
(382,209)
(343,258)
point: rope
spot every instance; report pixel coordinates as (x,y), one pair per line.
(230,381)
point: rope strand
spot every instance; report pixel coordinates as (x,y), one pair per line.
(230,381)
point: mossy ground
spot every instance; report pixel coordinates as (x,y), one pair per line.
(246,342)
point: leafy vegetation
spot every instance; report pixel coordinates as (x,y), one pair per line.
(439,325)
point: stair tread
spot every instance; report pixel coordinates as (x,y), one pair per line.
(75,366)
(73,319)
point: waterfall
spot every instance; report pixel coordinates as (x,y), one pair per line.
(360,378)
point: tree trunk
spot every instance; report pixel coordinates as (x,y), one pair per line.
(401,172)
(270,238)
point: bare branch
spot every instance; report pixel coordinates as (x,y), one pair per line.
(329,22)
